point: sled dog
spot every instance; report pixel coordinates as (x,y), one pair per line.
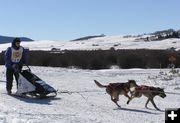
(148,91)
(116,89)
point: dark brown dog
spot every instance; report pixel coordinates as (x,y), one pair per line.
(116,89)
(148,91)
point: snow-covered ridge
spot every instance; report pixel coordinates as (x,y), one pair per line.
(104,43)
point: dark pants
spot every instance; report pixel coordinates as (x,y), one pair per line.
(9,78)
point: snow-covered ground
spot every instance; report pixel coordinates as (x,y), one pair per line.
(87,103)
(104,43)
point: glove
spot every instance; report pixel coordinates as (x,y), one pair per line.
(20,64)
(17,68)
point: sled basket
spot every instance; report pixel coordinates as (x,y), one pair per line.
(29,83)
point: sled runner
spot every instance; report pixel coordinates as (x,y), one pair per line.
(31,85)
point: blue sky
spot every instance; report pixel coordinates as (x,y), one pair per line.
(70,19)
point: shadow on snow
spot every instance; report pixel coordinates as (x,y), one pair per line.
(135,110)
(45,101)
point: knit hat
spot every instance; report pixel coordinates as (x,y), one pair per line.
(16,40)
(14,43)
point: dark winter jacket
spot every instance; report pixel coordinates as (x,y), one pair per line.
(8,55)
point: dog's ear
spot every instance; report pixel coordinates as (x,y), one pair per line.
(162,89)
(159,88)
(132,81)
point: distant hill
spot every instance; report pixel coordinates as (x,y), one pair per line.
(6,39)
(89,37)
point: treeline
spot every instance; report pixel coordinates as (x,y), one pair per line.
(102,59)
(165,34)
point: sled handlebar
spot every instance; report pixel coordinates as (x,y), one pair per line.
(27,66)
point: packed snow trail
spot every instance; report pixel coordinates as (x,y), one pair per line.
(88,103)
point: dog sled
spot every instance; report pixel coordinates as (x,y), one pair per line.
(30,85)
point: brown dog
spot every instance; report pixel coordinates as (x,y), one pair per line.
(116,89)
(148,91)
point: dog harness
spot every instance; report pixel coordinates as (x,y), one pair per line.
(143,88)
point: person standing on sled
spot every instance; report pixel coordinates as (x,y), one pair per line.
(15,57)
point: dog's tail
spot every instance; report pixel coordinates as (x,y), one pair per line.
(99,84)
